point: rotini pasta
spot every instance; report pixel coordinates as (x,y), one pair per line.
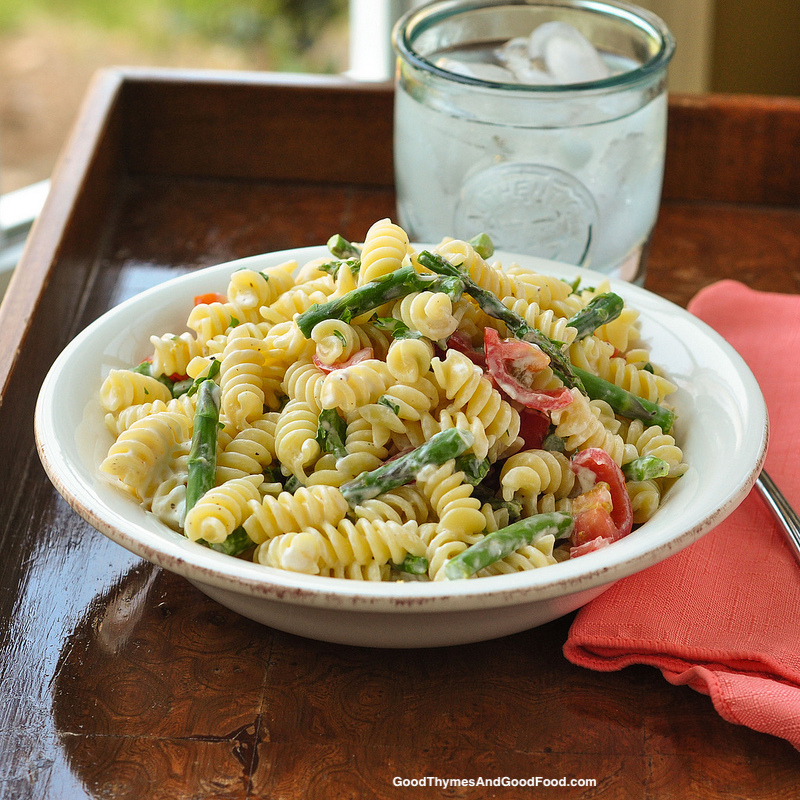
(472,395)
(249,289)
(169,497)
(581,428)
(430,313)
(305,508)
(249,452)
(344,546)
(409,359)
(140,457)
(532,473)
(241,379)
(172,354)
(652,441)
(645,497)
(336,340)
(385,247)
(221,510)
(297,300)
(403,504)
(356,385)
(296,437)
(124,388)
(210,320)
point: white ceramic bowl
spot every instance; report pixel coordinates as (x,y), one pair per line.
(721,425)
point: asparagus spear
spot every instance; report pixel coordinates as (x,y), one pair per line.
(331,432)
(601,309)
(484,494)
(375,293)
(494,308)
(645,468)
(625,403)
(414,565)
(236,543)
(496,546)
(474,468)
(341,248)
(483,245)
(202,461)
(212,372)
(181,387)
(441,447)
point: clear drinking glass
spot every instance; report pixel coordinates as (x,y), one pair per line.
(567,171)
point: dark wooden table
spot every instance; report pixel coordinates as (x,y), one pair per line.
(120,680)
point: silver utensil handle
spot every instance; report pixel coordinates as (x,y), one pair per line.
(784,513)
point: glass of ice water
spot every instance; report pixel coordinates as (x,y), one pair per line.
(539,122)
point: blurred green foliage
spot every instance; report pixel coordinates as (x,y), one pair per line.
(285,28)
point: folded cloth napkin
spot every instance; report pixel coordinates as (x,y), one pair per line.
(723,615)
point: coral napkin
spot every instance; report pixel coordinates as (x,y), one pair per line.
(723,615)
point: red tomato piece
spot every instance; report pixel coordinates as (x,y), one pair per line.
(513,364)
(461,342)
(210,297)
(533,427)
(599,496)
(605,469)
(592,523)
(589,547)
(359,355)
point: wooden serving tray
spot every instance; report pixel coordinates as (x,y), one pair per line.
(121,680)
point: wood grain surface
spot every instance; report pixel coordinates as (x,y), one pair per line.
(121,680)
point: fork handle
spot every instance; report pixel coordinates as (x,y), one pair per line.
(783,511)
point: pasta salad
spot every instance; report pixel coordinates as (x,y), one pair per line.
(384,413)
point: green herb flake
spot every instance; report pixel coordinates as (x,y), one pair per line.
(383,400)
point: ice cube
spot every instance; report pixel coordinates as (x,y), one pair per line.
(514,56)
(569,57)
(476,69)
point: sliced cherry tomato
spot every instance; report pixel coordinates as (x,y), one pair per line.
(359,355)
(461,342)
(533,427)
(605,469)
(599,496)
(592,523)
(210,297)
(514,353)
(176,378)
(513,364)
(592,512)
